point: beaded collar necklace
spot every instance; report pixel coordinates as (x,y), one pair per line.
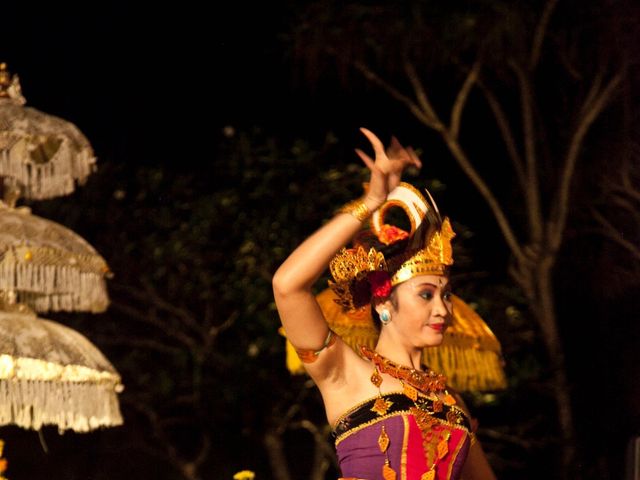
(425,382)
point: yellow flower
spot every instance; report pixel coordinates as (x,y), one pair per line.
(244,475)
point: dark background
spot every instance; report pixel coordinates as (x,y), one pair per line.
(153,89)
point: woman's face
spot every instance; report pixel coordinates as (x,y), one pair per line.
(423,310)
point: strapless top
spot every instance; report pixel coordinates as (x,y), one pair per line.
(423,439)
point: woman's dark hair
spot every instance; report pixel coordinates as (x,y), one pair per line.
(399,250)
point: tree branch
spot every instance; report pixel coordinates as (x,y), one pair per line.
(541,31)
(216,330)
(150,318)
(610,232)
(421,95)
(202,454)
(410,104)
(462,159)
(322,452)
(594,90)
(157,431)
(623,187)
(142,343)
(188,318)
(461,99)
(274,446)
(618,198)
(561,204)
(273,437)
(532,191)
(566,62)
(506,133)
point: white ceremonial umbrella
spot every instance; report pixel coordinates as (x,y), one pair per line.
(52,375)
(44,154)
(48,266)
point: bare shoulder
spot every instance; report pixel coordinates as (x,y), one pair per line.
(342,377)
(335,366)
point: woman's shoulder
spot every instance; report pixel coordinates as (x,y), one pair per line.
(348,385)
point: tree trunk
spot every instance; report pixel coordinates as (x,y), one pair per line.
(543,308)
(277,458)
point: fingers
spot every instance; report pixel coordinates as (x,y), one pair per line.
(377,145)
(414,157)
(368,161)
(396,151)
(395,146)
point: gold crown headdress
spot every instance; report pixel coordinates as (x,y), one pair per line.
(360,274)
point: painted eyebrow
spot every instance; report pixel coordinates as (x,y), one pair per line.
(447,285)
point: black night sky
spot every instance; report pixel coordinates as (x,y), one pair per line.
(153,88)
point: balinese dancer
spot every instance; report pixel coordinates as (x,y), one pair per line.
(393,418)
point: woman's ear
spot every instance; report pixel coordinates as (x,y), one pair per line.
(385,304)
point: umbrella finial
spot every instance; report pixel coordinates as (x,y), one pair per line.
(10,85)
(5,79)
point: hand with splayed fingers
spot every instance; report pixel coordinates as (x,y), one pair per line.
(386,169)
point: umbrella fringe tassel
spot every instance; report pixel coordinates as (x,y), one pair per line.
(80,407)
(84,291)
(53,178)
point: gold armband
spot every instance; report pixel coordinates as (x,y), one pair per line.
(356,208)
(310,356)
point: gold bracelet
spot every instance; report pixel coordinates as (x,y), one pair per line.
(357,208)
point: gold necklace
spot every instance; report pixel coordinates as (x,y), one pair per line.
(426,382)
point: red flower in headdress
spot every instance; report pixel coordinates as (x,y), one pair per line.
(380,284)
(390,234)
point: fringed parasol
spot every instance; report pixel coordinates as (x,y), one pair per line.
(52,375)
(49,267)
(45,154)
(470,355)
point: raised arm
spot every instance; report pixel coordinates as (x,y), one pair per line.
(299,312)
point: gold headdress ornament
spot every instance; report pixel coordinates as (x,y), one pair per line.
(360,274)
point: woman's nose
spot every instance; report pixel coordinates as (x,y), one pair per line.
(440,307)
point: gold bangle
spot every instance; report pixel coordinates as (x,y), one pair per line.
(357,208)
(309,356)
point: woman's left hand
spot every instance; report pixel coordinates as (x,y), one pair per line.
(387,168)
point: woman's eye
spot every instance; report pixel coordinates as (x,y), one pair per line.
(447,296)
(427,295)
